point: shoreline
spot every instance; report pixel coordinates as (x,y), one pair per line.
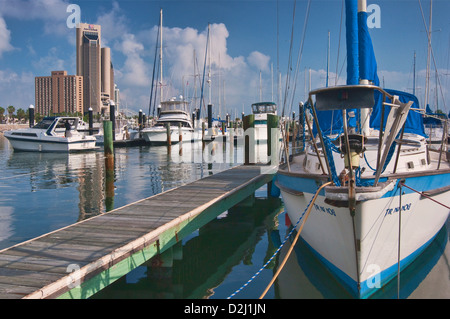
(7,127)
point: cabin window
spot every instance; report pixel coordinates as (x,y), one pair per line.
(24,134)
(173,123)
(410,165)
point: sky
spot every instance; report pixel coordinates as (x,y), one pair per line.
(252,42)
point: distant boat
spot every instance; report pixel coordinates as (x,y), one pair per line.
(381,195)
(260,111)
(123,132)
(52,134)
(175,114)
(436,128)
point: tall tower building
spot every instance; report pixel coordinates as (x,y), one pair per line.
(107,77)
(59,93)
(89,59)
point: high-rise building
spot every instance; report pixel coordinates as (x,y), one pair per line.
(107,77)
(89,60)
(58,93)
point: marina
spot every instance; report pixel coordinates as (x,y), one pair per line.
(194,199)
(241,238)
(110,245)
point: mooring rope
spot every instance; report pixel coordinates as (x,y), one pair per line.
(295,240)
(281,246)
(426,196)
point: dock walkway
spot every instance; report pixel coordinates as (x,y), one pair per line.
(79,260)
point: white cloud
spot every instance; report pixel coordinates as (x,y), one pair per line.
(51,62)
(52,13)
(259,60)
(5,38)
(16,89)
(134,70)
(113,23)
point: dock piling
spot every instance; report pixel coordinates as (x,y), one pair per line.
(31,115)
(91,121)
(108,138)
(169,141)
(249,139)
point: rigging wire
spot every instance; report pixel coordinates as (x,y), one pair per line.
(300,54)
(204,69)
(339,44)
(432,53)
(288,73)
(150,109)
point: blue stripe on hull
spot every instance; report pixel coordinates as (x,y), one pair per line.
(419,183)
(366,289)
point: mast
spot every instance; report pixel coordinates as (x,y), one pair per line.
(160,56)
(427,80)
(414,75)
(365,112)
(328,58)
(209,59)
(260,88)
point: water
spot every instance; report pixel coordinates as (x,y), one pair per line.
(40,193)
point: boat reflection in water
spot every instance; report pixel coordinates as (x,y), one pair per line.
(203,261)
(304,276)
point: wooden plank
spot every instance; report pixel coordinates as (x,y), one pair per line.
(14,291)
(34,264)
(26,278)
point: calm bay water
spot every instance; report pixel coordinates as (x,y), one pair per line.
(40,193)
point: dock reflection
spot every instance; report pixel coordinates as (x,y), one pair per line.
(203,260)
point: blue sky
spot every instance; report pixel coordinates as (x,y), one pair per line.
(35,40)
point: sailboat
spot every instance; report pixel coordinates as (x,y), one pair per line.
(174,123)
(370,195)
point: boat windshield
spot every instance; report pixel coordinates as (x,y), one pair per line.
(174,106)
(172,123)
(45,123)
(264,108)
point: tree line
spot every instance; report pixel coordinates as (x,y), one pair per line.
(20,115)
(23,115)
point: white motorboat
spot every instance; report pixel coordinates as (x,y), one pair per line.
(52,134)
(377,195)
(260,111)
(174,116)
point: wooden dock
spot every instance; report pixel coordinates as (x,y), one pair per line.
(81,259)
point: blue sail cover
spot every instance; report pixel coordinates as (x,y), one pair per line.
(433,118)
(361,64)
(414,121)
(351,27)
(367,61)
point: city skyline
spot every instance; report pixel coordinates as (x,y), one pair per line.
(244,45)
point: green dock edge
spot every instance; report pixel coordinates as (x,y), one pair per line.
(165,241)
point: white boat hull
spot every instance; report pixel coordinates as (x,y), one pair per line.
(329,231)
(158,136)
(54,144)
